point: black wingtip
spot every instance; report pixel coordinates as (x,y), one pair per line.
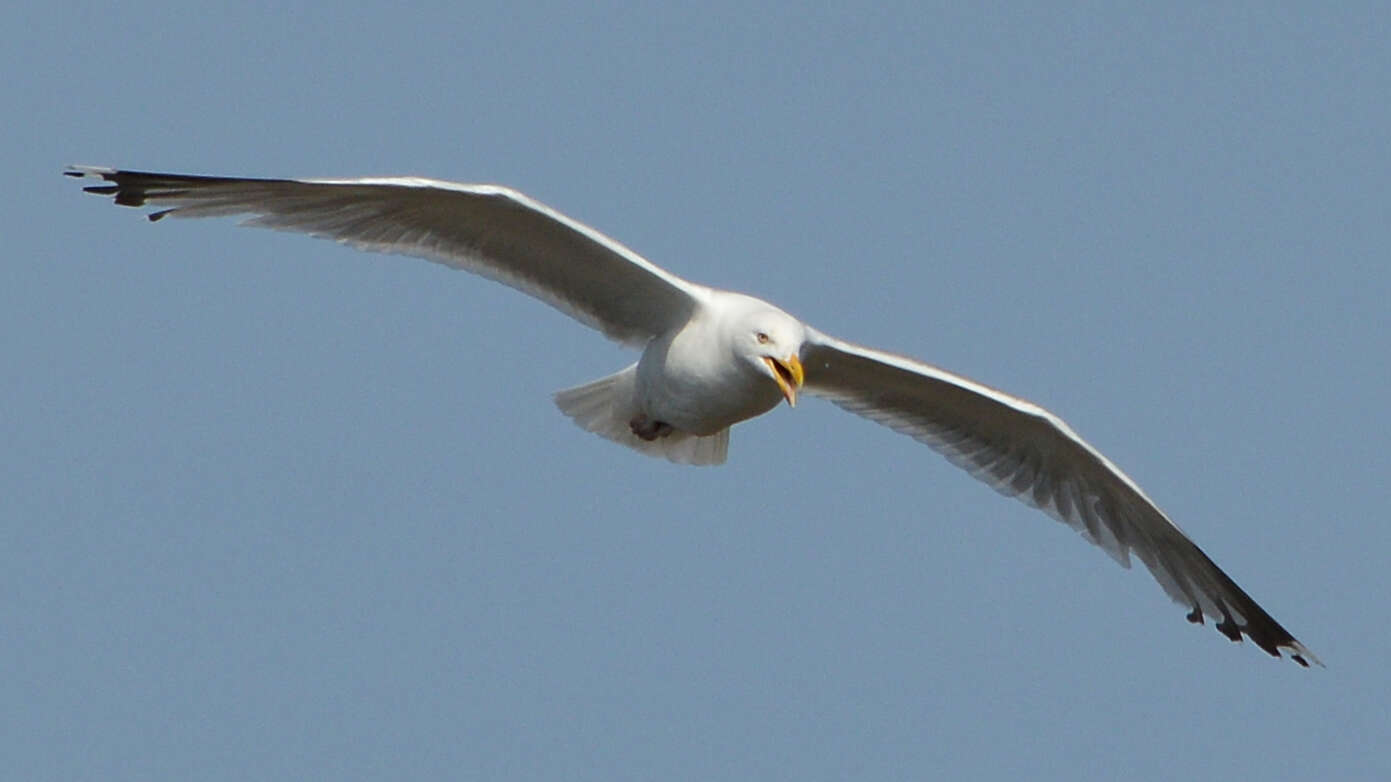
(1232,630)
(134,188)
(1272,639)
(129,196)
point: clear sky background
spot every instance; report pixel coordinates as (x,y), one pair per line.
(275,509)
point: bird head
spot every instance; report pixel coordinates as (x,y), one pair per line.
(772,340)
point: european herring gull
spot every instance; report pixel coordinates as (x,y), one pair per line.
(712,358)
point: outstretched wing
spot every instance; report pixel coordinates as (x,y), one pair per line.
(1024,451)
(489,230)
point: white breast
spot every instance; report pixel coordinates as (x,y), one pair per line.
(693,380)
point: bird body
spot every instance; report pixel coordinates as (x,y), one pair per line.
(708,375)
(696,380)
(711,359)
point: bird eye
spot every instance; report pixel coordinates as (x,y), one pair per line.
(762,338)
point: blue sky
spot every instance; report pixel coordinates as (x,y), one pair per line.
(275,509)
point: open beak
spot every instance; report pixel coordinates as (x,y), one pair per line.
(788,373)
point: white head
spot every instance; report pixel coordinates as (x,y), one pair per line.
(771,340)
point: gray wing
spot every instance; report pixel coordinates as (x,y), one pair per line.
(492,231)
(1024,451)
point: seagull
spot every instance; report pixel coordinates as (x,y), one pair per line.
(713,358)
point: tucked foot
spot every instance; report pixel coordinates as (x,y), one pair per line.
(647,429)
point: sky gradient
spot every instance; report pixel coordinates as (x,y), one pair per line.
(276,509)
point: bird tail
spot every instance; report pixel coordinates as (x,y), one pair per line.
(607,405)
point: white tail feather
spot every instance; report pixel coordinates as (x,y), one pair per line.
(607,405)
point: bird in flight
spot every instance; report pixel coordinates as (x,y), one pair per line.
(712,358)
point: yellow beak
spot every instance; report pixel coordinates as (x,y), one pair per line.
(788,373)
